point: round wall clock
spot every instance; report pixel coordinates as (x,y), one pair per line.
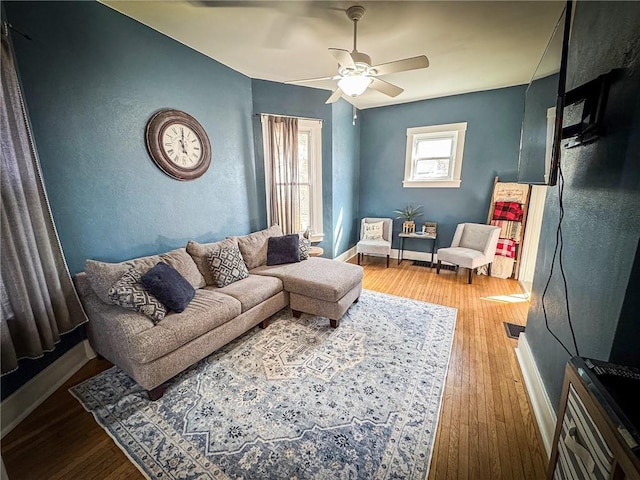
(178,144)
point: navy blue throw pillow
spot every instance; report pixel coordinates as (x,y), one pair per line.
(167,285)
(283,249)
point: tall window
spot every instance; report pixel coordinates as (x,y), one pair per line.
(434,155)
(304,178)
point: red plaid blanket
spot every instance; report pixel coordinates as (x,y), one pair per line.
(506,248)
(511,211)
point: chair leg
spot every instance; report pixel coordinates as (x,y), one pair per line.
(470,275)
(438,267)
(387,261)
(489,269)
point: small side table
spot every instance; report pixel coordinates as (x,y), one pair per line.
(316,251)
(418,236)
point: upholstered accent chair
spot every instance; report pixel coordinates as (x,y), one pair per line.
(375,237)
(473,246)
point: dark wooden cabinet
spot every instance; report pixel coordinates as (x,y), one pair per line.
(594,437)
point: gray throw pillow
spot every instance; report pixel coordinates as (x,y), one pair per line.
(227,265)
(200,252)
(129,293)
(305,248)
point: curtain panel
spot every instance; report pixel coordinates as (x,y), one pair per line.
(39,301)
(280,138)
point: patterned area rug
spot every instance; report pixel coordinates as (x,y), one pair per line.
(298,400)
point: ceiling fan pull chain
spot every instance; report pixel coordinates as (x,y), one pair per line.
(355,115)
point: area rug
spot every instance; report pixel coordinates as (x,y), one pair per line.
(298,400)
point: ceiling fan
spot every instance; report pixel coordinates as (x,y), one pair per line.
(355,73)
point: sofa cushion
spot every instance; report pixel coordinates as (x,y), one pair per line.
(128,292)
(199,252)
(227,265)
(180,260)
(252,290)
(103,275)
(283,249)
(168,286)
(317,277)
(254,246)
(207,310)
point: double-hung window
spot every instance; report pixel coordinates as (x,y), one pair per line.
(434,155)
(308,180)
(310,176)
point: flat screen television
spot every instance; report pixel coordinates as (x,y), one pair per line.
(541,132)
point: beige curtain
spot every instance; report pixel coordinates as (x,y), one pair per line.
(39,302)
(280,136)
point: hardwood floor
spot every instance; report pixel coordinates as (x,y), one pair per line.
(486,428)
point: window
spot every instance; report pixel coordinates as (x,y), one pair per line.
(310,173)
(309,179)
(434,156)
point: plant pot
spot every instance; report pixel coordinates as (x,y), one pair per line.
(409,226)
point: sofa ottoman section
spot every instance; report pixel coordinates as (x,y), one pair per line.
(318,286)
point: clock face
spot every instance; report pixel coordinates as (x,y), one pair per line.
(182,145)
(178,144)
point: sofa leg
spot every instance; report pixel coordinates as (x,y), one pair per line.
(489,269)
(356,300)
(359,258)
(470,275)
(334,323)
(264,324)
(438,267)
(387,261)
(296,313)
(156,393)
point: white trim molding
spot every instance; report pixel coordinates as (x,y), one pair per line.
(28,397)
(542,408)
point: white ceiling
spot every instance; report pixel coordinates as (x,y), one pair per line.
(471,45)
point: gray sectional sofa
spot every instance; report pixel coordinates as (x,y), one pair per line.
(154,352)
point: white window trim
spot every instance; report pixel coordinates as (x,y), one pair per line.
(315,189)
(458,156)
(314,127)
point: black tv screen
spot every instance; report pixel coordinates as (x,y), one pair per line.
(544,100)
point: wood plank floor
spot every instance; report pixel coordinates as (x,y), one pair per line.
(486,428)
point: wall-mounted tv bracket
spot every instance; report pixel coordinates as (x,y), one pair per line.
(593,97)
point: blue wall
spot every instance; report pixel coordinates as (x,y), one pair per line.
(491,148)
(92,78)
(602,208)
(345,181)
(340,159)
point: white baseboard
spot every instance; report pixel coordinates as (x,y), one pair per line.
(343,257)
(406,255)
(542,408)
(28,397)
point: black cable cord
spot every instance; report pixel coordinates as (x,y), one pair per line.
(558,248)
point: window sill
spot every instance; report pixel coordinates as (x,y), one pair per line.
(317,237)
(431,184)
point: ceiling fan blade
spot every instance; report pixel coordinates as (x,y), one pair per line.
(385,87)
(412,63)
(343,57)
(319,79)
(335,96)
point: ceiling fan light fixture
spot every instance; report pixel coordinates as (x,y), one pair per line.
(354,85)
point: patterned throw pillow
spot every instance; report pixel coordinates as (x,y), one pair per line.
(305,247)
(128,292)
(227,265)
(373,231)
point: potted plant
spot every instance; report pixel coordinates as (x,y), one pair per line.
(409,213)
